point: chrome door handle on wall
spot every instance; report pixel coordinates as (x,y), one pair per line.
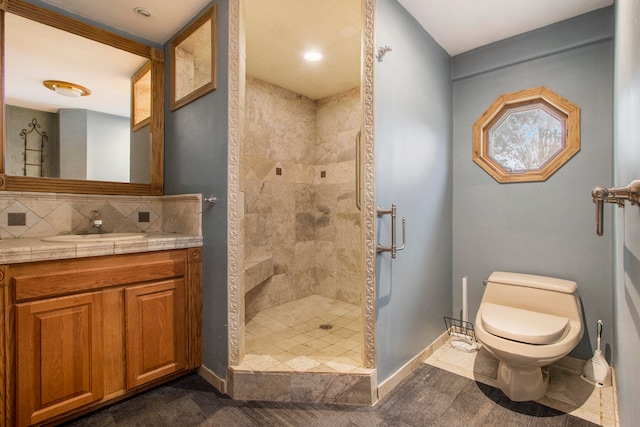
(615,195)
(393,248)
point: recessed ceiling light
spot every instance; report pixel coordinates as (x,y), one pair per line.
(67,89)
(142,12)
(313,56)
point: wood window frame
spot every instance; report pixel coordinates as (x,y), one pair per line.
(500,107)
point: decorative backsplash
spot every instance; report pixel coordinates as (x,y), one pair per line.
(24,215)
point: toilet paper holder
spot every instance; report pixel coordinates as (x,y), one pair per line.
(617,195)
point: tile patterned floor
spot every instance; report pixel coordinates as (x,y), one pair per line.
(429,396)
(290,337)
(567,392)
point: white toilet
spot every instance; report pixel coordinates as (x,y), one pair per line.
(528,322)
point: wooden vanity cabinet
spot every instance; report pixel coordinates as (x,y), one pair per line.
(155,334)
(58,356)
(83,332)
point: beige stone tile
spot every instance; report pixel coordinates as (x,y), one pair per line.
(317,344)
(333,350)
(342,321)
(302,363)
(343,364)
(331,339)
(322,368)
(349,344)
(566,392)
(567,386)
(346,333)
(286,344)
(278,368)
(260,331)
(303,338)
(316,332)
(261,363)
(301,350)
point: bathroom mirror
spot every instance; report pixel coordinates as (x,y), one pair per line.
(117,139)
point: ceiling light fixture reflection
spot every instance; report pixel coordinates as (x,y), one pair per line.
(313,56)
(67,89)
(142,12)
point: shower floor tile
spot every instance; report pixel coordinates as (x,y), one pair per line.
(292,337)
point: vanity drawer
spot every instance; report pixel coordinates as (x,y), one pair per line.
(64,277)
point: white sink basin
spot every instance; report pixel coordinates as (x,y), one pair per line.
(105,237)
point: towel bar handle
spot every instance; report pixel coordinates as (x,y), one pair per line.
(617,195)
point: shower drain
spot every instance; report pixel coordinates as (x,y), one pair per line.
(326,326)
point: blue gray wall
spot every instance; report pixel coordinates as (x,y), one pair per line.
(627,162)
(73,151)
(108,142)
(196,162)
(545,228)
(413,169)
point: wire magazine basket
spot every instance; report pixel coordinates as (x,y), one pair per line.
(463,332)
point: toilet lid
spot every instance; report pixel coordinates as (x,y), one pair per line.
(521,325)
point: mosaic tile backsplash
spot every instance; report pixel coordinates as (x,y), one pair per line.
(50,214)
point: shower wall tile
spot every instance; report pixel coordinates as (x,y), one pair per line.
(298,167)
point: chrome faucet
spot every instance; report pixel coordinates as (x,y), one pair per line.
(95,224)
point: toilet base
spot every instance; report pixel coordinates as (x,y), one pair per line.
(522,383)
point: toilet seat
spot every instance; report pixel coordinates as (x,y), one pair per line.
(525,326)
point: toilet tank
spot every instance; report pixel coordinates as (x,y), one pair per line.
(536,293)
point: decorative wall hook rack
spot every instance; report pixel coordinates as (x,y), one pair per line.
(382,51)
(617,195)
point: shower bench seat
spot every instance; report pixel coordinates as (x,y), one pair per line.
(257,271)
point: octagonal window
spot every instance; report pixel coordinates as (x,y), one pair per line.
(526,136)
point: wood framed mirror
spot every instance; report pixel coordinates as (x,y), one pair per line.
(149,177)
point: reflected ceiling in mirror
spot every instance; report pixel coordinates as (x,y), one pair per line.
(35,52)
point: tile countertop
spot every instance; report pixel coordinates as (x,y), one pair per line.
(13,251)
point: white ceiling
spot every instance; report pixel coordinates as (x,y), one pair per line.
(461,25)
(279,30)
(167,16)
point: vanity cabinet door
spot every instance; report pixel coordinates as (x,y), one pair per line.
(155,330)
(58,356)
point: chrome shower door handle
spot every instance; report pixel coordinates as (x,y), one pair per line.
(393,248)
(404,235)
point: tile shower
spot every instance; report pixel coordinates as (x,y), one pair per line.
(303,240)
